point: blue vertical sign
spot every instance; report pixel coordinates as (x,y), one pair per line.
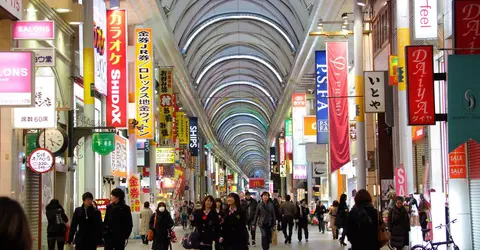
(193,145)
(321,96)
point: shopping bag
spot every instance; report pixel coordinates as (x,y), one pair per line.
(315,221)
(274,238)
(150,232)
(326,218)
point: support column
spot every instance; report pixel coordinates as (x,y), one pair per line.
(309,183)
(403,39)
(88,93)
(360,118)
(153,172)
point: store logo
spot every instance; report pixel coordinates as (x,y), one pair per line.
(471,101)
(99,39)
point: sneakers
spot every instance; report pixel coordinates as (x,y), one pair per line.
(253,243)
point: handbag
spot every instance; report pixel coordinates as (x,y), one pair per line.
(326,218)
(274,238)
(150,231)
(383,234)
(191,240)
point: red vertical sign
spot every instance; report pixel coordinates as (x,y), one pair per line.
(420,89)
(337,65)
(117,69)
(467,18)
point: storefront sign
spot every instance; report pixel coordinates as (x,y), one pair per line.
(17,78)
(374,91)
(417,133)
(179,182)
(33,30)
(400,181)
(466,20)
(256,182)
(119,158)
(41,160)
(299,172)
(44,57)
(165,155)
(321,96)
(288,136)
(145,83)
(420,89)
(281,157)
(425,19)
(134,192)
(100,43)
(299,110)
(103,143)
(166,104)
(31,139)
(182,130)
(14,7)
(338,112)
(273,160)
(43,115)
(102,206)
(463,97)
(392,70)
(117,69)
(309,125)
(457,161)
(193,136)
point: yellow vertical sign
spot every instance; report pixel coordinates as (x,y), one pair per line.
(144,84)
(166,103)
(180,120)
(88,76)
(403,40)
(186,136)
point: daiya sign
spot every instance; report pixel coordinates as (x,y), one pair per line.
(34,30)
(466,19)
(425,19)
(17,76)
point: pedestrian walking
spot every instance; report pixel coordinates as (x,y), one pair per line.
(341,218)
(145,215)
(118,221)
(57,225)
(399,225)
(234,234)
(86,229)
(362,223)
(320,212)
(332,212)
(161,223)
(302,216)
(207,223)
(249,205)
(288,211)
(265,219)
(14,229)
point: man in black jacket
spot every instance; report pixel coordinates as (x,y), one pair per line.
(265,219)
(249,205)
(118,221)
(88,220)
(288,211)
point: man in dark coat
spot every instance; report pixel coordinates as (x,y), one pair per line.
(88,220)
(249,205)
(265,219)
(118,221)
(399,225)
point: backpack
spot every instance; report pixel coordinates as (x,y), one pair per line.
(191,240)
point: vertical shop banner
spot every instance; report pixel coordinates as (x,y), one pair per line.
(420,89)
(425,19)
(400,181)
(174,118)
(288,136)
(146,151)
(374,91)
(392,70)
(100,42)
(166,104)
(273,160)
(337,62)
(463,97)
(134,192)
(186,131)
(180,181)
(299,110)
(144,83)
(466,19)
(321,82)
(457,161)
(117,69)
(119,158)
(180,120)
(193,136)
(281,157)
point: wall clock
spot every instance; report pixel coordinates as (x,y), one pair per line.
(55,140)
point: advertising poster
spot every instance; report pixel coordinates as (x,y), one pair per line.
(119,158)
(99,44)
(457,161)
(300,172)
(144,83)
(299,110)
(165,155)
(134,192)
(321,94)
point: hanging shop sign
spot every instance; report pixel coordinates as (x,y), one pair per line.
(103,143)
(193,136)
(256,183)
(338,113)
(43,115)
(353,130)
(117,69)
(120,157)
(300,172)
(175,109)
(182,131)
(146,152)
(221,177)
(165,155)
(44,57)
(288,136)
(463,97)
(309,126)
(166,104)
(33,30)
(425,20)
(457,161)
(180,181)
(17,78)
(281,157)
(321,81)
(41,160)
(273,160)
(100,43)
(374,91)
(134,192)
(31,142)
(144,83)
(299,110)
(420,88)
(401,181)
(417,133)
(13,7)
(466,19)
(392,70)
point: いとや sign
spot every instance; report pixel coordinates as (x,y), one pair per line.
(41,160)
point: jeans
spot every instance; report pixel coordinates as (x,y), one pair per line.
(51,244)
(302,225)
(251,228)
(321,225)
(266,237)
(287,224)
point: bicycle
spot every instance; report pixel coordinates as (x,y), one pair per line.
(434,245)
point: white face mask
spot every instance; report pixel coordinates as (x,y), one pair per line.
(162,209)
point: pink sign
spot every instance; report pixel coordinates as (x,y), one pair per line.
(34,30)
(400,181)
(16,78)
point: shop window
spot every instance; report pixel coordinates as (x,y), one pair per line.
(381,30)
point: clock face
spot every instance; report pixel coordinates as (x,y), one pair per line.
(53,140)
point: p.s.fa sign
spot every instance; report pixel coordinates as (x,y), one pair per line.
(400,181)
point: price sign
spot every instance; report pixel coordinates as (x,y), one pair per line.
(41,160)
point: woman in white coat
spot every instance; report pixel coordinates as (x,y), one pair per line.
(145,215)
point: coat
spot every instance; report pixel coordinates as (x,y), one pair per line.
(161,228)
(208,226)
(399,227)
(56,226)
(86,228)
(250,208)
(303,217)
(320,210)
(234,230)
(333,216)
(342,215)
(265,215)
(118,223)
(362,227)
(145,215)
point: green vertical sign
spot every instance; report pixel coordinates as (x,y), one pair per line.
(288,127)
(31,139)
(103,142)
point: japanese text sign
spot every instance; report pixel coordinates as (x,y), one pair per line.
(420,88)
(425,21)
(119,158)
(392,70)
(134,192)
(34,30)
(144,83)
(182,128)
(41,160)
(466,20)
(117,69)
(300,172)
(193,136)
(299,100)
(44,57)
(458,163)
(321,81)
(165,155)
(17,78)
(166,104)
(374,91)
(281,157)
(103,143)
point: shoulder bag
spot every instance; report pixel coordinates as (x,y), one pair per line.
(383,234)
(150,231)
